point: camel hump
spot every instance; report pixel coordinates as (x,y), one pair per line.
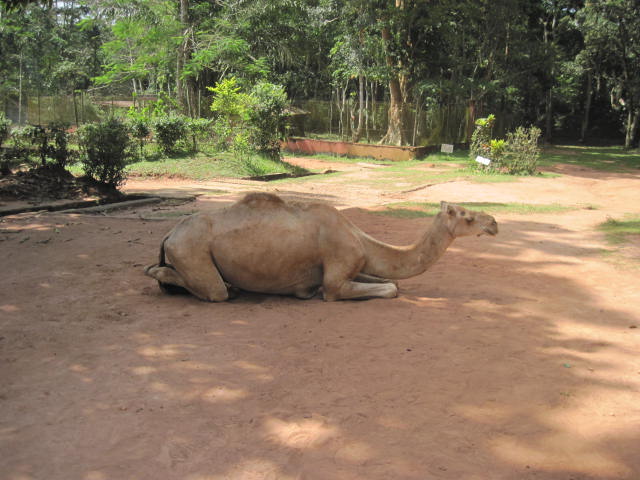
(259,199)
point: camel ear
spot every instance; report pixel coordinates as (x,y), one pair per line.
(444,207)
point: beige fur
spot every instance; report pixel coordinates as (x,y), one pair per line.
(264,244)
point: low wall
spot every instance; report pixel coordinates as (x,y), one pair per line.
(311,146)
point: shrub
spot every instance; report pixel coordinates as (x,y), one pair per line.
(139,122)
(258,115)
(517,155)
(5,128)
(169,131)
(106,149)
(198,128)
(59,149)
(231,109)
(51,142)
(21,139)
(481,137)
(139,129)
(522,151)
(267,117)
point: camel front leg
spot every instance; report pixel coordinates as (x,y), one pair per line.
(356,290)
(337,285)
(366,278)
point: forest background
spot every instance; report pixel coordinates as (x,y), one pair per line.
(395,71)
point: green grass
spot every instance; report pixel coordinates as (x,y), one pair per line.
(206,167)
(618,231)
(396,176)
(419,209)
(609,159)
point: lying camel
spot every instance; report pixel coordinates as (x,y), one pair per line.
(265,244)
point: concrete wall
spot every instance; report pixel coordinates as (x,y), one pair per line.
(310,146)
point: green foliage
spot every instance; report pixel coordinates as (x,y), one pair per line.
(170,131)
(5,128)
(140,130)
(200,167)
(481,137)
(517,155)
(249,120)
(531,61)
(198,128)
(105,151)
(610,159)
(58,144)
(267,117)
(51,143)
(522,151)
(229,102)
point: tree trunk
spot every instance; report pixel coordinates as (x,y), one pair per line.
(184,87)
(471,125)
(395,134)
(587,107)
(20,93)
(75,108)
(357,133)
(548,129)
(631,127)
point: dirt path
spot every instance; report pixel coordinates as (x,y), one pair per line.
(514,357)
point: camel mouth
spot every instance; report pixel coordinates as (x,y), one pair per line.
(491,230)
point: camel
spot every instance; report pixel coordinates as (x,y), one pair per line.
(266,244)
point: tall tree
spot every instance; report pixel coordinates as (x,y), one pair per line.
(611,30)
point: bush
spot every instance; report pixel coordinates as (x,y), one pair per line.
(522,151)
(231,109)
(5,128)
(481,137)
(139,130)
(51,142)
(198,128)
(517,155)
(170,130)
(59,149)
(267,117)
(106,149)
(139,122)
(257,116)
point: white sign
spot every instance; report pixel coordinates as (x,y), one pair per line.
(483,161)
(446,148)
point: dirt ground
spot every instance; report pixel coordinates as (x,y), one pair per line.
(514,357)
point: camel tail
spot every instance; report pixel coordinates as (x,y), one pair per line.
(168,287)
(161,257)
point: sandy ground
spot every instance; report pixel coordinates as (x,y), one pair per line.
(514,357)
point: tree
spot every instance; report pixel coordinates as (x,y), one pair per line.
(611,30)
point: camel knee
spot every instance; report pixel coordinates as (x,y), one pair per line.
(212,295)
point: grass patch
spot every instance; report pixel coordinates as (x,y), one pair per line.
(609,159)
(419,209)
(618,232)
(205,167)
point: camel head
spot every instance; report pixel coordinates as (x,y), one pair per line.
(462,222)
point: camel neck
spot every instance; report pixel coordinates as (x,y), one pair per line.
(393,262)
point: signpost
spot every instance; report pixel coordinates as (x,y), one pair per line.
(446,148)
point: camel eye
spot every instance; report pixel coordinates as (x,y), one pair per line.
(463,213)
